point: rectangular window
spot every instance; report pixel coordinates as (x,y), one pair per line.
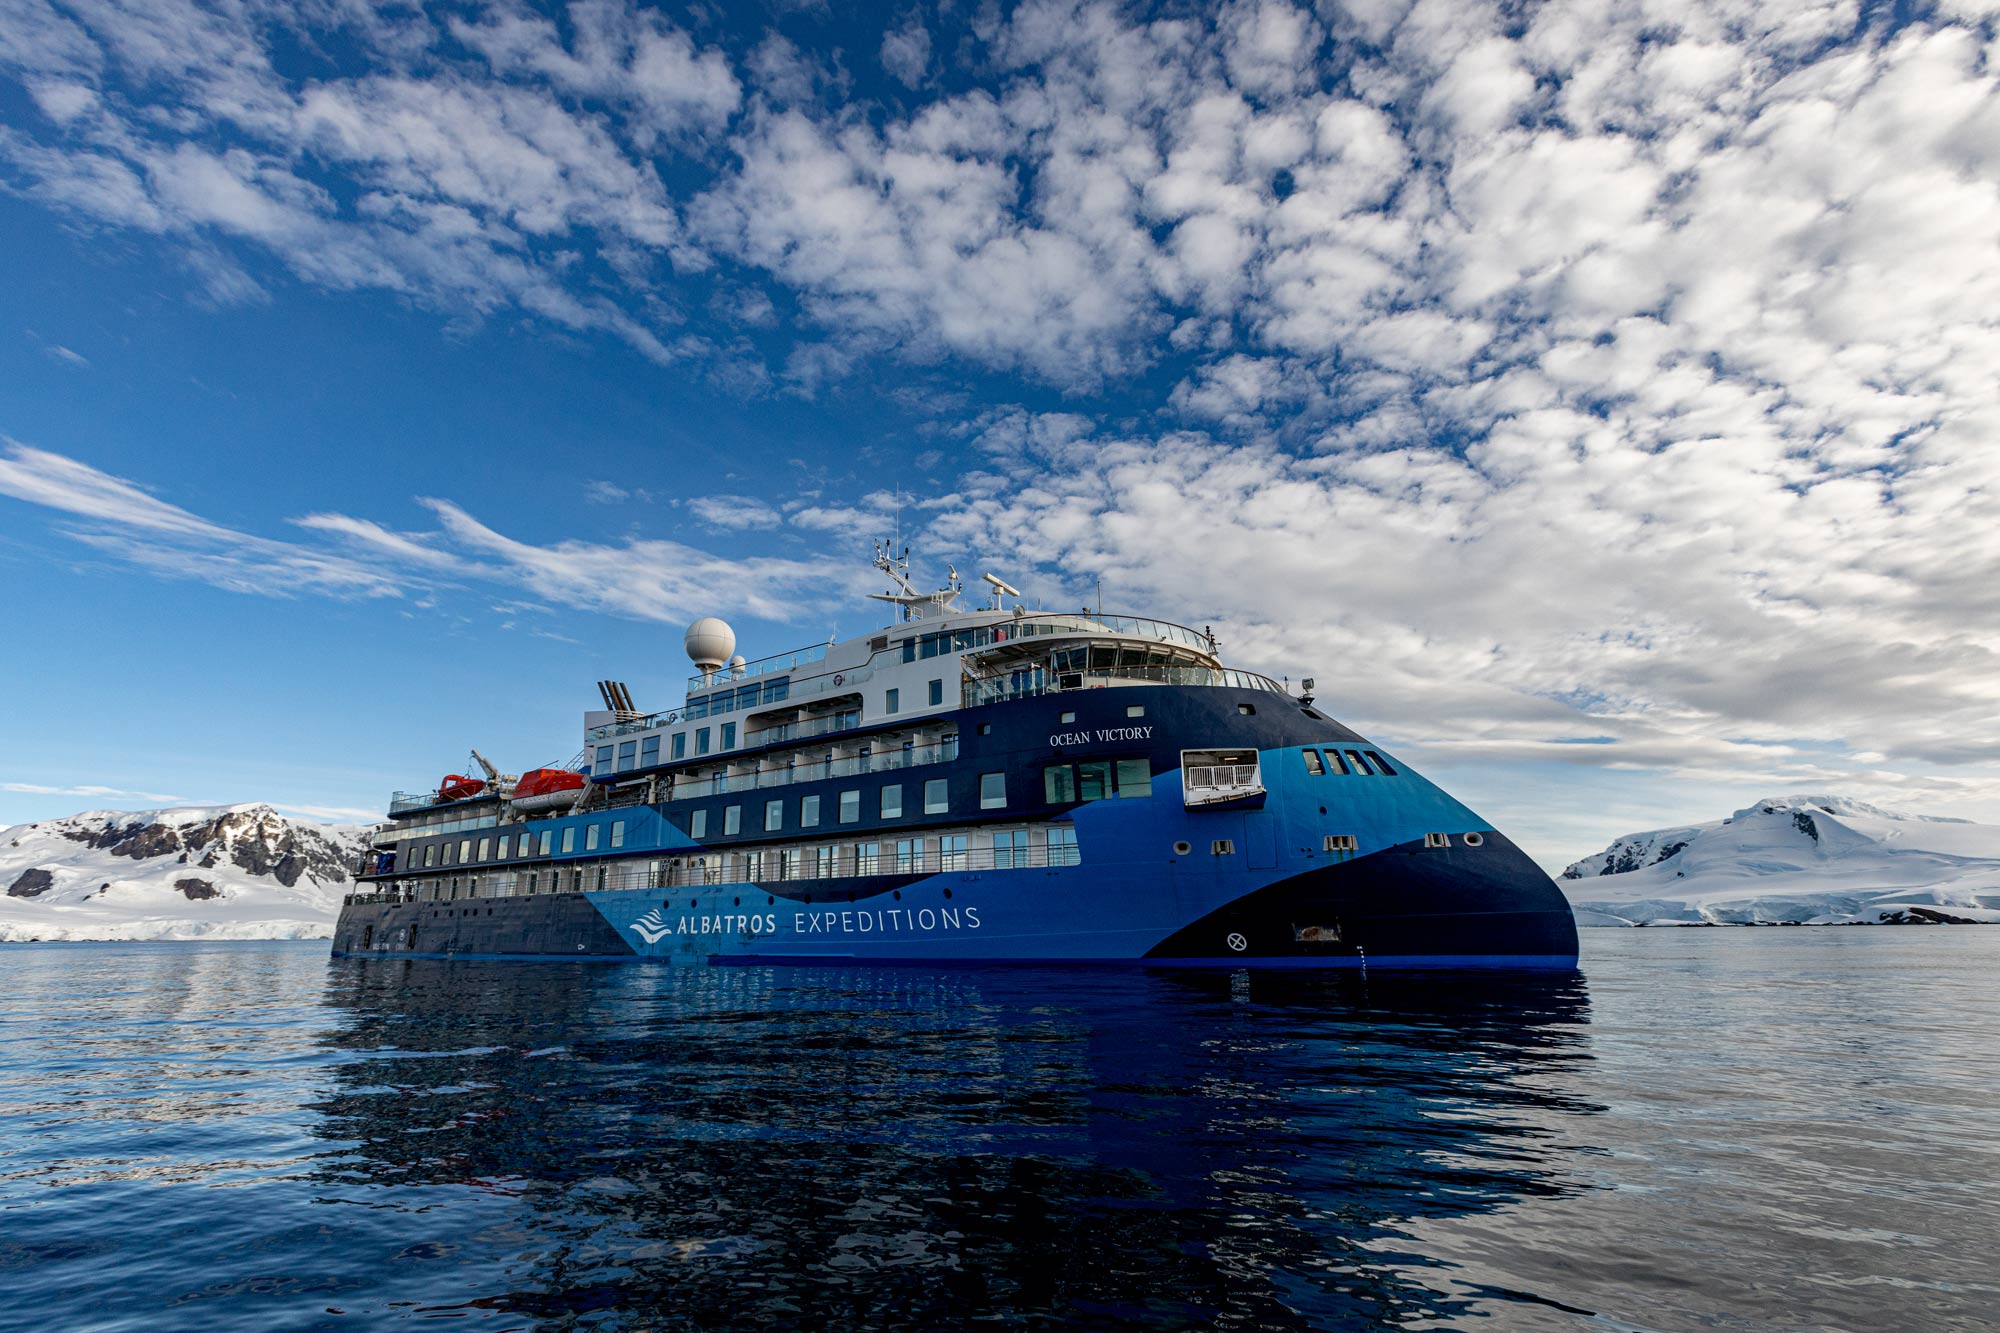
(1360,764)
(932,645)
(774,816)
(680,745)
(548,842)
(1093,780)
(1335,764)
(729,735)
(910,650)
(809,812)
(1062,847)
(1313,765)
(732,820)
(1135,710)
(937,796)
(909,855)
(527,845)
(569,839)
(992,791)
(431,852)
(892,801)
(823,863)
(617,833)
(698,824)
(446,860)
(1010,849)
(937,693)
(891,700)
(649,752)
(1135,777)
(867,858)
(850,807)
(465,851)
(590,836)
(1068,718)
(504,847)
(701,740)
(951,851)
(1382,765)
(628,756)
(603,759)
(1058,783)
(485,848)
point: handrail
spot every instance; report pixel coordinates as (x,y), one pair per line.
(995,689)
(732,674)
(690,787)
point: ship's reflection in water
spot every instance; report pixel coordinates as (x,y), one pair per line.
(597,1147)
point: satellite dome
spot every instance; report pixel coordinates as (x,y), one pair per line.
(710,642)
(736,665)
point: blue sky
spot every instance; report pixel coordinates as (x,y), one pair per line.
(1597,401)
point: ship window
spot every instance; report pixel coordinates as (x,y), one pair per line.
(1135,777)
(698,824)
(1335,764)
(1340,842)
(464,851)
(485,848)
(1058,783)
(1360,764)
(1093,780)
(569,839)
(729,735)
(1313,765)
(933,644)
(809,812)
(732,820)
(1247,710)
(1135,710)
(774,816)
(649,752)
(431,855)
(527,845)
(701,740)
(628,755)
(937,693)
(909,855)
(617,833)
(892,801)
(1222,847)
(548,842)
(680,745)
(892,700)
(1437,839)
(867,857)
(590,836)
(909,650)
(603,759)
(951,851)
(937,796)
(992,791)
(1010,849)
(1062,847)
(850,806)
(1382,765)
(1067,718)
(986,728)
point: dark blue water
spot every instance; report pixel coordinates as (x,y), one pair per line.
(1775,1129)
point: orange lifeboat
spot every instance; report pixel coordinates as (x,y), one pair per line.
(546,789)
(458,787)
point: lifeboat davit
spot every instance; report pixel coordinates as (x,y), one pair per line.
(546,789)
(458,787)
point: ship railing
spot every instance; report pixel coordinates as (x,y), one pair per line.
(1028,684)
(803,865)
(687,789)
(761,667)
(1222,777)
(804,731)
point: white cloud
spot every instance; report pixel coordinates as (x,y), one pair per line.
(733,511)
(906,51)
(113,793)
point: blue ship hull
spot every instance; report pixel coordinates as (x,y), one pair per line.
(1149,885)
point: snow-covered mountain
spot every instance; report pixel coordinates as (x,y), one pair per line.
(1816,860)
(209,872)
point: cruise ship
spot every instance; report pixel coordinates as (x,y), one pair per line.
(972,784)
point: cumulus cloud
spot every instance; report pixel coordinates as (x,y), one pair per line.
(733,511)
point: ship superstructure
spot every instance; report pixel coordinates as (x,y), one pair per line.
(982,783)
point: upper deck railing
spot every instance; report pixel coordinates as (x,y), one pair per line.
(1026,685)
(735,675)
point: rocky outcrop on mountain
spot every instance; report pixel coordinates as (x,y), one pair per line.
(113,874)
(1795,860)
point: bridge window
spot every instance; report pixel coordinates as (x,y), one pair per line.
(850,807)
(992,791)
(1360,764)
(937,796)
(1382,764)
(809,812)
(1313,765)
(892,801)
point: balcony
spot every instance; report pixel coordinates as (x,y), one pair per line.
(688,789)
(804,731)
(762,666)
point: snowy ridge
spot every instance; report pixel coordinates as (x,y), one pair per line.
(197,872)
(1811,860)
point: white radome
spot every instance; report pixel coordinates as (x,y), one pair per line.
(737,664)
(710,641)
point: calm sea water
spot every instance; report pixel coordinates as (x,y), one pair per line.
(1711,1129)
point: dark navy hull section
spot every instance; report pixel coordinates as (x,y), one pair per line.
(1155,880)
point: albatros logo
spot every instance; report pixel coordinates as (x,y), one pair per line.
(651,927)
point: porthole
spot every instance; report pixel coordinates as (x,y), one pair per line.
(1247,710)
(947,893)
(899,895)
(1474,839)
(736,902)
(770,901)
(1182,849)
